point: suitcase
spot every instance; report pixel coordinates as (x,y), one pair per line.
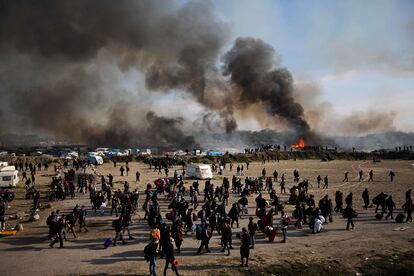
(107,242)
(399,218)
(272,235)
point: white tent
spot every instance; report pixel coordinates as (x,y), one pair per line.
(199,171)
(9,176)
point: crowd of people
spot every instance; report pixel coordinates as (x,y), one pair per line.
(217,212)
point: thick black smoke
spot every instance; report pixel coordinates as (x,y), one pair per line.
(53,75)
(51,79)
(250,64)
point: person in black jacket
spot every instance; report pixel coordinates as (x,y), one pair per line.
(234,215)
(169,258)
(390,206)
(206,234)
(150,252)
(349,214)
(118,224)
(226,237)
(245,247)
(2,214)
(365,196)
(59,227)
(348,199)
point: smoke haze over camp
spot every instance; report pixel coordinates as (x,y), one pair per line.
(159,73)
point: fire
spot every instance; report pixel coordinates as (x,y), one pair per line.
(300,144)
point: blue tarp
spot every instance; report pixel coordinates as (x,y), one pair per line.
(215,153)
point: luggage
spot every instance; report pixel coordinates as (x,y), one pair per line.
(107,242)
(175,263)
(399,218)
(8,233)
(245,210)
(272,235)
(379,216)
(170,215)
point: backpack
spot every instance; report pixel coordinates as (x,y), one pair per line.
(146,252)
(49,220)
(399,218)
(107,242)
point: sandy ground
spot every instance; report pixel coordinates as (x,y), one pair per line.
(28,252)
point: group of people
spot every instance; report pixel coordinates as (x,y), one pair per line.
(217,214)
(60,224)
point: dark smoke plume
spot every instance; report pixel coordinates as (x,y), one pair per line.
(52,53)
(57,72)
(250,64)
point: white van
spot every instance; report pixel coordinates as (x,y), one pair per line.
(199,171)
(9,176)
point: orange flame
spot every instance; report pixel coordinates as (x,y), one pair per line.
(300,144)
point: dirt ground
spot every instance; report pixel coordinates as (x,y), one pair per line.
(28,252)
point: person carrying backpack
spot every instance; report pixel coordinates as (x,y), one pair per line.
(150,253)
(205,236)
(169,258)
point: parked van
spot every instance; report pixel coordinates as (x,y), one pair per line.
(9,176)
(95,159)
(199,171)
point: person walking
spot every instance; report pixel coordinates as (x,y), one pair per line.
(365,197)
(82,219)
(318,180)
(284,224)
(226,234)
(2,214)
(206,234)
(59,227)
(349,214)
(346,177)
(371,176)
(361,174)
(390,206)
(252,227)
(245,247)
(325,182)
(391,175)
(150,253)
(118,224)
(408,208)
(169,258)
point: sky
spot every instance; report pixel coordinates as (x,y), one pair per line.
(359,53)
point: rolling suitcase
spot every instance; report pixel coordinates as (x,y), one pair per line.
(107,242)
